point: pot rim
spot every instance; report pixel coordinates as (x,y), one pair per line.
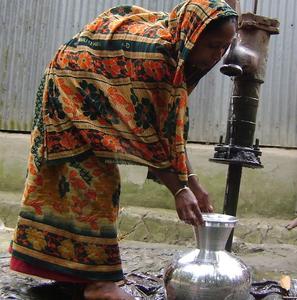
(219,220)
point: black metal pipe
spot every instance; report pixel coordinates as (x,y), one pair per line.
(255,6)
(231,195)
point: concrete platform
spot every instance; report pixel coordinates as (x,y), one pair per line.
(163,226)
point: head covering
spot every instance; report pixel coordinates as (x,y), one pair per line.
(118,89)
(188,20)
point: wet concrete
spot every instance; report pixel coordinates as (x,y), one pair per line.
(266,261)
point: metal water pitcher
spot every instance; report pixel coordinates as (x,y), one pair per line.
(209,273)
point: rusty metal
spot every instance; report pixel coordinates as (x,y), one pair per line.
(235,4)
(232,3)
(246,64)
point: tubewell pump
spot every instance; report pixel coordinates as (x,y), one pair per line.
(246,63)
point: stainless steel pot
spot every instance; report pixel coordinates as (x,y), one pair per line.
(209,273)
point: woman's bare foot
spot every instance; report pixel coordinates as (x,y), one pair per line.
(105,290)
(292,225)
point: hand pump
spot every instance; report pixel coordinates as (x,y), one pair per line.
(245,63)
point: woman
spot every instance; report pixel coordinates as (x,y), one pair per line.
(116,93)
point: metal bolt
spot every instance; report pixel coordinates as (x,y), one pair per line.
(257,143)
(221,140)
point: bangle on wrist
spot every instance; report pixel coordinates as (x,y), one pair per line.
(191,175)
(180,190)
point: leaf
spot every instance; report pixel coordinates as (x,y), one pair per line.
(285,282)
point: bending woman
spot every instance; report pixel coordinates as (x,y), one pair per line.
(115,93)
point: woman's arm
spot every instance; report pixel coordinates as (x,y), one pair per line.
(200,193)
(185,201)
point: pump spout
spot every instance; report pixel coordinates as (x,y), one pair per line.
(239,60)
(231,70)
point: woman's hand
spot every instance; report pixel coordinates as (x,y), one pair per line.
(187,207)
(186,203)
(201,195)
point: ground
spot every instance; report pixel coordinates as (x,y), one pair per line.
(266,261)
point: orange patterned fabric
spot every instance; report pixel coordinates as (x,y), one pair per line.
(68,221)
(118,89)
